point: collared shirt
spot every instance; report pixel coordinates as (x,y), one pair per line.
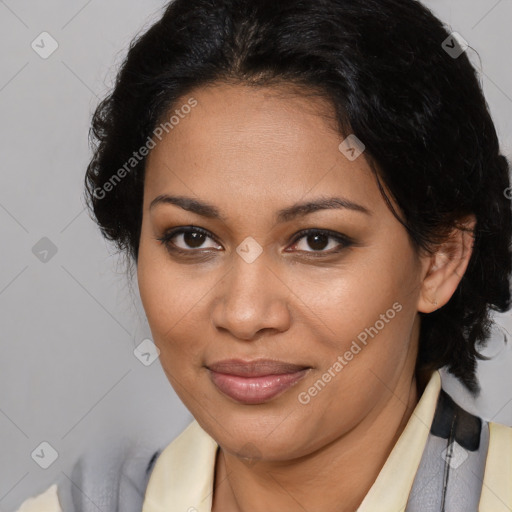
(183,475)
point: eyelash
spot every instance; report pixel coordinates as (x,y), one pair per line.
(166,238)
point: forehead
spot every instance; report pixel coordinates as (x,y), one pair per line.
(241,141)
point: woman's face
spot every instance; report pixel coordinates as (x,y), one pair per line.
(341,304)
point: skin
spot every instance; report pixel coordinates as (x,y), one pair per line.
(251,152)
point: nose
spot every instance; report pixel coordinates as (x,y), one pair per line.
(251,300)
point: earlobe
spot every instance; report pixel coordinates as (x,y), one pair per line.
(444,269)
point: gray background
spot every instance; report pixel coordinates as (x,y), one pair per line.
(68,374)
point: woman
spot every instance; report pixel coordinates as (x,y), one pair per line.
(313,197)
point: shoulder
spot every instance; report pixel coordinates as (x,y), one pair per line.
(110,476)
(502,432)
(466,462)
(497,481)
(47,501)
(500,448)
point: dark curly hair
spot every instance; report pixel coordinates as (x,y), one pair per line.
(385,67)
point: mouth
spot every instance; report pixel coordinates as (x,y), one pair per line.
(255,382)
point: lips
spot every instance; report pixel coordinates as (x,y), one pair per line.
(255,382)
(256,368)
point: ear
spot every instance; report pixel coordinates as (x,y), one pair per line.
(443,270)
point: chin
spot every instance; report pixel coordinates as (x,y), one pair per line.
(260,437)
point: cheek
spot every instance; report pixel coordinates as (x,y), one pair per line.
(346,300)
(174,305)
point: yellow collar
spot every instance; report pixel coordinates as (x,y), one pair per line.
(182,478)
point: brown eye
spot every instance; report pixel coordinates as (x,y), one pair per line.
(187,239)
(319,240)
(194,239)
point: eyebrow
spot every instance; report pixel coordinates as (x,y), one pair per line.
(285,215)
